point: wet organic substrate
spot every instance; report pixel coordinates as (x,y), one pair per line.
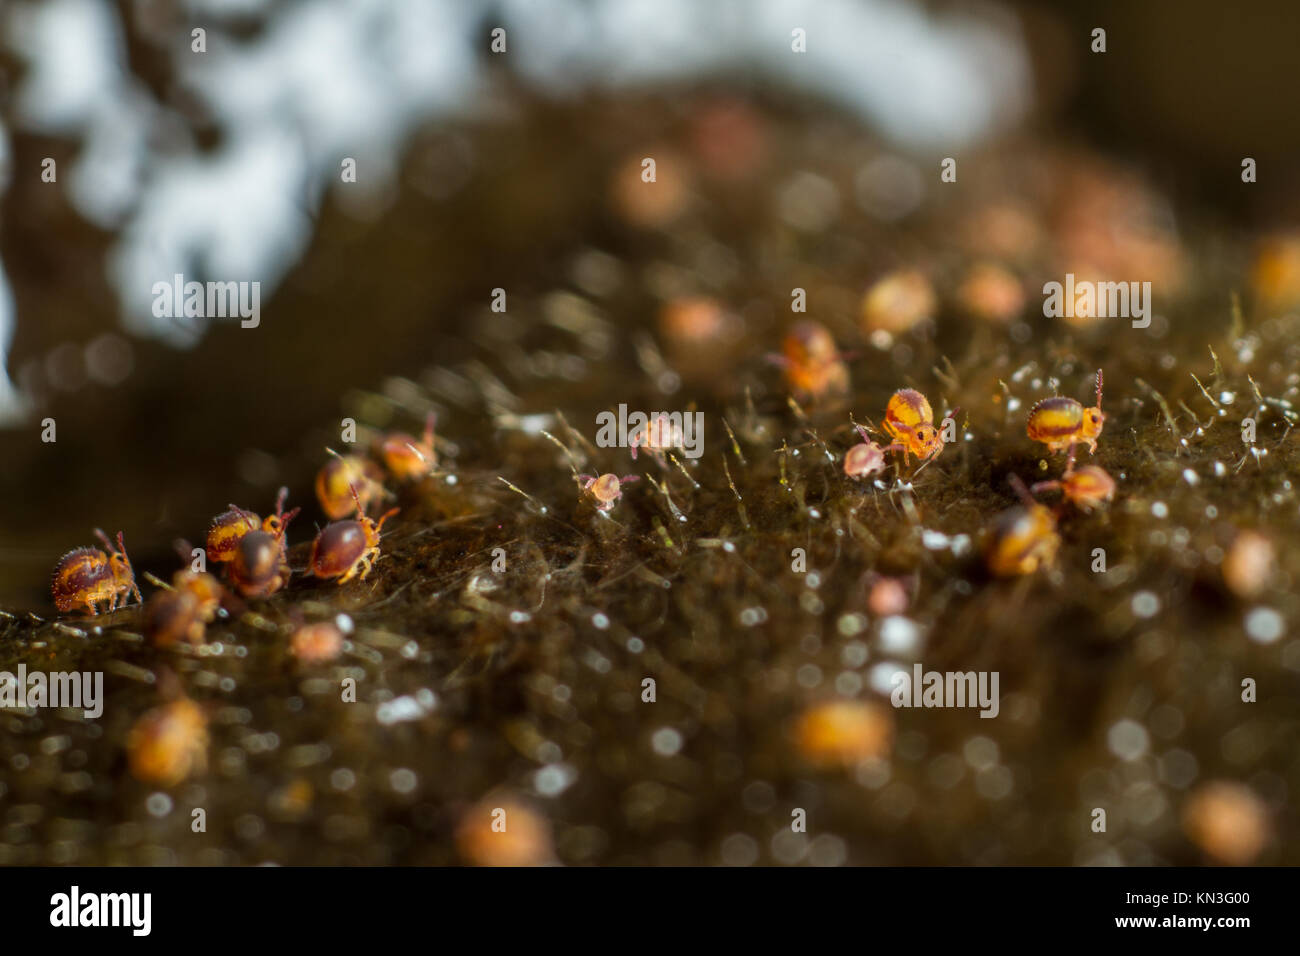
(526,684)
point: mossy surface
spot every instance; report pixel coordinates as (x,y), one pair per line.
(688,580)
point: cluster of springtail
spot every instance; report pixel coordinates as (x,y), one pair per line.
(252,550)
(1020,539)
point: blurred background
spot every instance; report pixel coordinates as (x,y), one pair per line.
(478,170)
